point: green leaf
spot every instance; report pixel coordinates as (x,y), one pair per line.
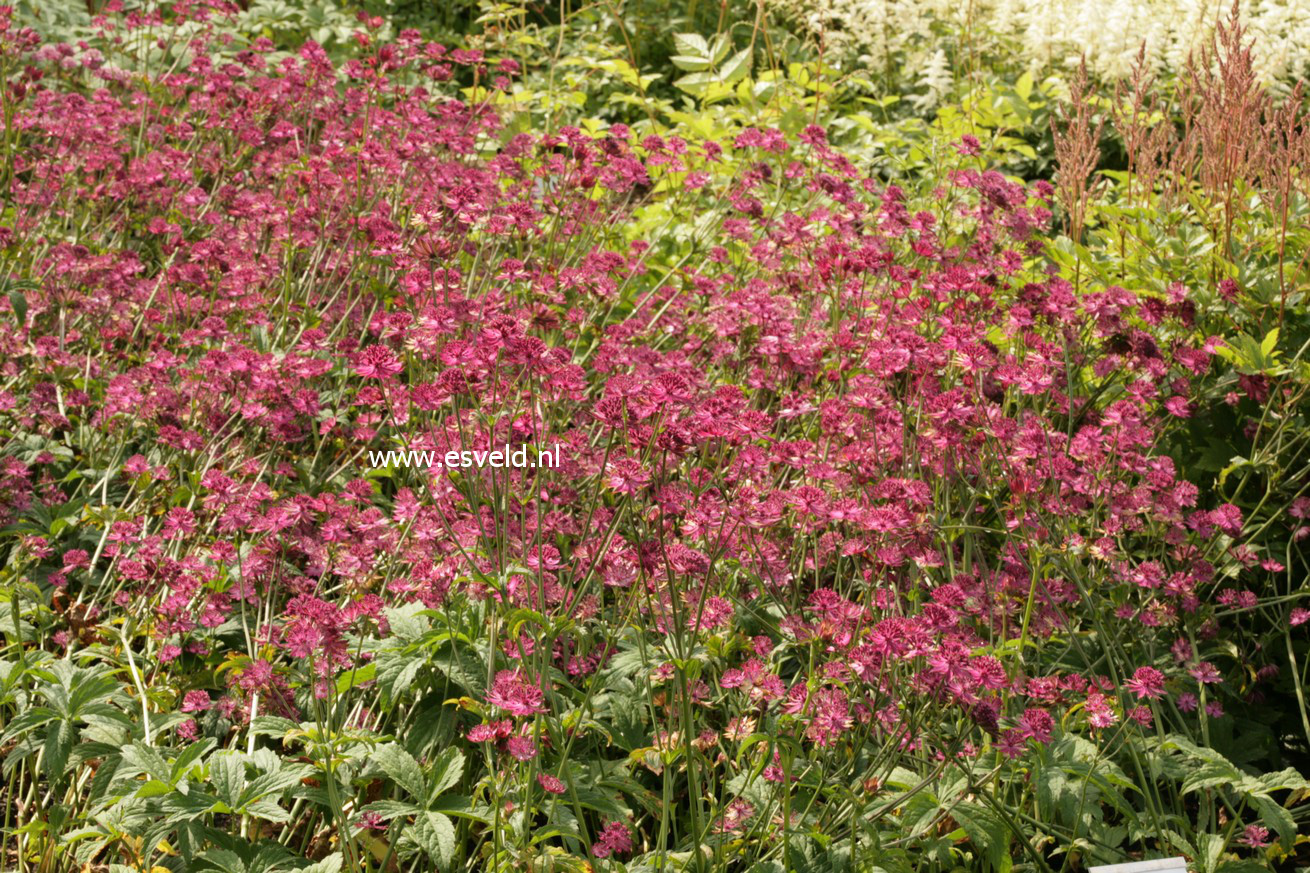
(436,835)
(268,783)
(272,726)
(407,622)
(693,52)
(1284,780)
(224,860)
(19,305)
(720,47)
(690,63)
(920,811)
(27,721)
(402,768)
(461,807)
(691,44)
(463,667)
(447,770)
(227,773)
(988,834)
(737,67)
(1211,846)
(1024,87)
(1269,344)
(1210,775)
(268,810)
(390,809)
(356,676)
(58,744)
(696,84)
(154,788)
(190,755)
(149,761)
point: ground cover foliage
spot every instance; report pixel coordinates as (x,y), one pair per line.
(934,484)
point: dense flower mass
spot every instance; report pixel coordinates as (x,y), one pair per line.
(864,519)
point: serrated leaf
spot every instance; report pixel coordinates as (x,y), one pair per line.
(737,67)
(1210,774)
(189,756)
(266,784)
(227,773)
(401,767)
(987,833)
(447,770)
(435,833)
(148,760)
(356,676)
(272,726)
(389,809)
(1269,343)
(460,806)
(397,672)
(407,622)
(692,44)
(58,745)
(689,63)
(1242,865)
(268,810)
(153,788)
(224,860)
(1211,846)
(720,48)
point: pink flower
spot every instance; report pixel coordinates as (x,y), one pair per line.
(830,716)
(1228,518)
(1099,712)
(481,733)
(968,145)
(523,748)
(76,559)
(1178,407)
(196,701)
(734,817)
(626,476)
(1255,836)
(1012,743)
(513,693)
(615,839)
(1037,724)
(1206,673)
(1146,682)
(371,820)
(550,783)
(378,362)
